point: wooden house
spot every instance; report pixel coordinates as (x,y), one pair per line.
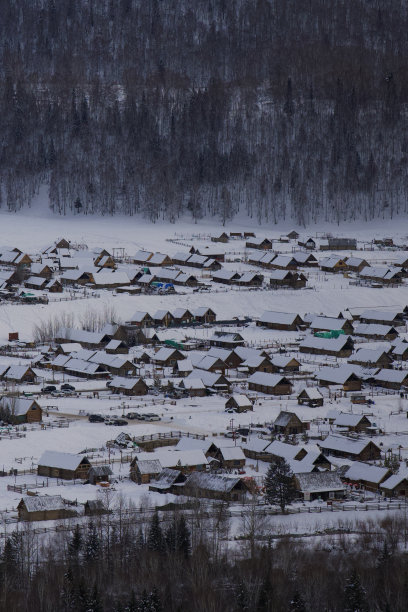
(21,409)
(372,358)
(128,386)
(358,423)
(76,277)
(310,244)
(19,374)
(250,279)
(272,384)
(226,277)
(396,485)
(214,486)
(211,253)
(44,508)
(142,319)
(320,323)
(182,316)
(144,471)
(319,485)
(54,464)
(284,262)
(287,321)
(221,238)
(376,332)
(311,397)
(283,363)
(203,314)
(238,403)
(342,346)
(117,347)
(307,260)
(226,339)
(230,457)
(350,448)
(383,317)
(293,235)
(54,286)
(259,363)
(163,318)
(160,259)
(333,264)
(286,278)
(390,379)
(36,282)
(106,262)
(167,481)
(167,357)
(343,376)
(95,507)
(356,264)
(41,269)
(288,423)
(366,476)
(399,350)
(259,243)
(142,257)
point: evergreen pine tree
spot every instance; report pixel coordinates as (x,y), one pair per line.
(155,539)
(92,545)
(297,604)
(68,593)
(354,595)
(183,538)
(241,597)
(94,603)
(75,545)
(132,604)
(279,485)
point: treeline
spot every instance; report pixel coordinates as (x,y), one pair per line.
(188,563)
(279,108)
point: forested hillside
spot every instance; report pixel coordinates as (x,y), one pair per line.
(281,108)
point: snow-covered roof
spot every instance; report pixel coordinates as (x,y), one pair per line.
(265,379)
(173,458)
(393,376)
(18,406)
(327,344)
(211,482)
(340,443)
(363,471)
(319,482)
(338,375)
(380,315)
(232,453)
(368,355)
(64,461)
(312,393)
(282,318)
(241,400)
(327,323)
(281,449)
(345,419)
(37,503)
(119,382)
(372,329)
(16,372)
(394,480)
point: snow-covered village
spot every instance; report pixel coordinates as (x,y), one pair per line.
(263,377)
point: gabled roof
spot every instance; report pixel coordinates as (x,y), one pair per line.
(267,380)
(37,503)
(319,482)
(373,329)
(340,443)
(327,323)
(282,318)
(364,471)
(394,480)
(339,375)
(64,461)
(211,482)
(326,344)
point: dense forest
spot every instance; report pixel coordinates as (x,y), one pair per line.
(187,564)
(278,108)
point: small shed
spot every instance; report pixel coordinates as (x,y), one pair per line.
(239,403)
(95,507)
(166,480)
(288,423)
(143,471)
(396,485)
(99,473)
(310,396)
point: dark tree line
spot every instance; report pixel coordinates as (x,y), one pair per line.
(275,107)
(156,565)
